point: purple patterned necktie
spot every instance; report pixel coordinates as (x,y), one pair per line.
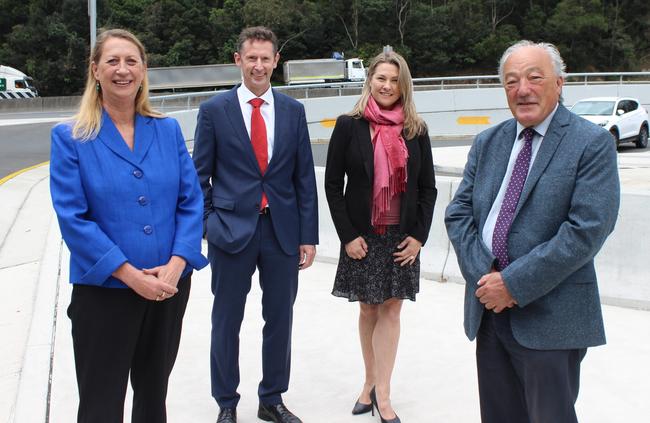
(510,200)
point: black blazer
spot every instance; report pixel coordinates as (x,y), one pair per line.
(350,153)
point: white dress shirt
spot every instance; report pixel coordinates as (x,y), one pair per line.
(540,132)
(268,113)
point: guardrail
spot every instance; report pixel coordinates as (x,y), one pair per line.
(488,81)
(304,91)
(186,101)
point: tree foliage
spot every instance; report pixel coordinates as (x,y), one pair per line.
(48,39)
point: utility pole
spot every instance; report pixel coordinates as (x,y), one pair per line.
(92,14)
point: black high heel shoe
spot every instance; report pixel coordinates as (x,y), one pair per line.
(361,408)
(373,402)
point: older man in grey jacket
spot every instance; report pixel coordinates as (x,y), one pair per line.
(539,196)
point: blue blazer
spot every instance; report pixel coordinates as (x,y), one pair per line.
(116,205)
(567,209)
(232,182)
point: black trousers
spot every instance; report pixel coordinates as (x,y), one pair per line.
(116,332)
(521,385)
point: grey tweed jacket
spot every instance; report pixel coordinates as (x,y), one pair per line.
(567,209)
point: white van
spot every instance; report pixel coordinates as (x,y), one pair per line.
(15,84)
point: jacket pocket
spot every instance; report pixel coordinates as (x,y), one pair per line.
(223,203)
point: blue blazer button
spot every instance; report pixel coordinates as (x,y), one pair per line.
(147,229)
(142,200)
(137,173)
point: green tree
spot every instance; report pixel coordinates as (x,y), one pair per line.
(579,29)
(47,48)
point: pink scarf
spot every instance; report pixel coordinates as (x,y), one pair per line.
(390,156)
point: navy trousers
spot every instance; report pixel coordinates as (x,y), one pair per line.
(522,385)
(231,282)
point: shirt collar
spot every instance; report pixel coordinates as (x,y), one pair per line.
(246,95)
(542,127)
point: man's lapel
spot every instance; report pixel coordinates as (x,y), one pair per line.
(554,135)
(234,113)
(497,158)
(281,114)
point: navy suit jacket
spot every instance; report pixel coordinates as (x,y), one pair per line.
(567,209)
(116,205)
(232,182)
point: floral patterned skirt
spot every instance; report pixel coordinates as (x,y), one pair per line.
(377,278)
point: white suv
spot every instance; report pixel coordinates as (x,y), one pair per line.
(625,118)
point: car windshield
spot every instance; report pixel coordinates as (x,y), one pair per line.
(595,108)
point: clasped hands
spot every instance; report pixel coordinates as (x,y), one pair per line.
(409,249)
(493,292)
(156,284)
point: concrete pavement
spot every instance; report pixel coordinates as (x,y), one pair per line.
(434,379)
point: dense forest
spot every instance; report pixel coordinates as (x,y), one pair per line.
(48,39)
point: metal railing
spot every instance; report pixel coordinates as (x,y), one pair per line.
(186,101)
(183,101)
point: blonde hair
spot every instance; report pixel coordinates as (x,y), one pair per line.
(88,120)
(413,124)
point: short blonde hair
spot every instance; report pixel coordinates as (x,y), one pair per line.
(413,124)
(88,120)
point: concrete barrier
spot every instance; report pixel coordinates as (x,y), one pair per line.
(622,264)
(435,253)
(624,278)
(40,104)
(329,245)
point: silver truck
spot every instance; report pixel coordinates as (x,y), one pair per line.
(174,77)
(313,71)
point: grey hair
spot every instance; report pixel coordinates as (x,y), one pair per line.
(556,59)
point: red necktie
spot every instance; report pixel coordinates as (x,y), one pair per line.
(259,141)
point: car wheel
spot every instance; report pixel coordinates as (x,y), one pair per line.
(642,141)
(614,133)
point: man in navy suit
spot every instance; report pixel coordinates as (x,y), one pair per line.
(253,156)
(539,196)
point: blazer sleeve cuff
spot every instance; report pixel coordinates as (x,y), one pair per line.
(192,256)
(104,267)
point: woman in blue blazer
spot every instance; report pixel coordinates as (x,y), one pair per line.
(130,211)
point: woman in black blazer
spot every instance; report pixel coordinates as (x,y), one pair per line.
(382,215)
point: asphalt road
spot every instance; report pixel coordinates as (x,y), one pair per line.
(24,145)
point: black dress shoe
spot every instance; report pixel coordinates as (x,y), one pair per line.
(361,408)
(227,415)
(277,413)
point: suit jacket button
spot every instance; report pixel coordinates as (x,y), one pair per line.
(147,229)
(138,173)
(142,200)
